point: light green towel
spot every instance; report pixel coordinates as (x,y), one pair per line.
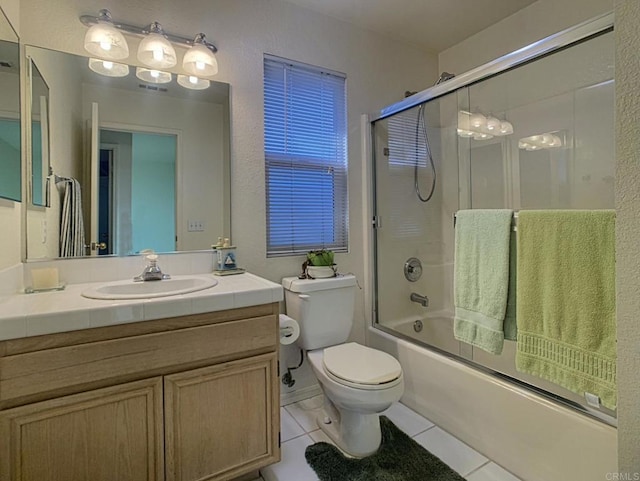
(566,300)
(510,325)
(481,277)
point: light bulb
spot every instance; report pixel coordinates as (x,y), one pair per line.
(200,65)
(158,54)
(154,73)
(547,139)
(105,45)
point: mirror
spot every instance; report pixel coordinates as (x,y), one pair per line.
(39,102)
(10,167)
(150,163)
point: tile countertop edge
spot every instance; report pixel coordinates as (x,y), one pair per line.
(25,315)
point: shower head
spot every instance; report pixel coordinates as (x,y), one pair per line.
(444,76)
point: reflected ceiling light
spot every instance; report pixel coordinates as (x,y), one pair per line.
(104,40)
(155,50)
(153,76)
(200,59)
(540,141)
(108,68)
(477,126)
(193,82)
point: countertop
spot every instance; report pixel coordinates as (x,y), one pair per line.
(24,315)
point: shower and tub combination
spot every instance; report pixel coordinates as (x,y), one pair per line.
(531,130)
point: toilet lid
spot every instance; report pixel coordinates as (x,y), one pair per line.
(360,364)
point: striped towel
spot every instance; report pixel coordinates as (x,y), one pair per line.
(71,224)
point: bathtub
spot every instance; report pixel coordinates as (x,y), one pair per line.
(529,434)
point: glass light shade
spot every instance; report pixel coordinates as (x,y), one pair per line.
(493,124)
(192,82)
(106,41)
(477,120)
(200,61)
(153,76)
(108,68)
(506,128)
(556,142)
(156,51)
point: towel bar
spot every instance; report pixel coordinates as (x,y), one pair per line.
(514,221)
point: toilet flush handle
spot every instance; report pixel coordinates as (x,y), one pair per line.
(304,297)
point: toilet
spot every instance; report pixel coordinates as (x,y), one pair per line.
(358,382)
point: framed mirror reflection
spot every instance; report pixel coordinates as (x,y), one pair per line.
(10,166)
(134,165)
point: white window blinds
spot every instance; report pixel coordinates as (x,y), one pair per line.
(306,158)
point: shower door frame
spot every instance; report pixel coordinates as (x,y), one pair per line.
(537,50)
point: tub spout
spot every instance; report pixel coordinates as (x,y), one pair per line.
(422,300)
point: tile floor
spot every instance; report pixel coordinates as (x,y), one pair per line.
(299,430)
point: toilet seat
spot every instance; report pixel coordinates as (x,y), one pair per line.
(361,367)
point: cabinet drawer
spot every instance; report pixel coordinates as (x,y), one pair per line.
(54,372)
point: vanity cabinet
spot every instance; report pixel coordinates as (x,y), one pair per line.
(180,399)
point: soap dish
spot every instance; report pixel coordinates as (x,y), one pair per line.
(31,290)
(229,272)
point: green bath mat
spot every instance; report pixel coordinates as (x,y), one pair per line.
(399,458)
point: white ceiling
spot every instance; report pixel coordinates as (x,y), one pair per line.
(434,25)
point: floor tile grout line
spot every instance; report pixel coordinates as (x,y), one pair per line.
(475,470)
(294,418)
(423,431)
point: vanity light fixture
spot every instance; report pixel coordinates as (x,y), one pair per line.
(193,82)
(108,68)
(153,76)
(104,39)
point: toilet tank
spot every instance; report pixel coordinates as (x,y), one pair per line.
(322,307)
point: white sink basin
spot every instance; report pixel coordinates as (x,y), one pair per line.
(150,289)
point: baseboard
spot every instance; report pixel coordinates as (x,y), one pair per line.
(300,394)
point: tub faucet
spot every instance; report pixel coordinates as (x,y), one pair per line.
(152,272)
(422,300)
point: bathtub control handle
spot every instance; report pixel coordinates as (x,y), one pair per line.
(422,300)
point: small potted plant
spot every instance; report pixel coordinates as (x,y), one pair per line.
(319,264)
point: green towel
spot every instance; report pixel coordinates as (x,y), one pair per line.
(481,277)
(566,300)
(510,325)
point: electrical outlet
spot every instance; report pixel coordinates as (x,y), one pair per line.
(195,226)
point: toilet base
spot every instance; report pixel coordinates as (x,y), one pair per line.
(355,433)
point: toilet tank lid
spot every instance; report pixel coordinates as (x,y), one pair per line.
(294,284)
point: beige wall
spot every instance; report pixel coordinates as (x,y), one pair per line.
(244,31)
(537,21)
(628,231)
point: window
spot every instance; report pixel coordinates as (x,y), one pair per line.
(306,158)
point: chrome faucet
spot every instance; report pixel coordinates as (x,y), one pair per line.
(152,272)
(422,300)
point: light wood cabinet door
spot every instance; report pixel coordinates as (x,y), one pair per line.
(222,421)
(109,434)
